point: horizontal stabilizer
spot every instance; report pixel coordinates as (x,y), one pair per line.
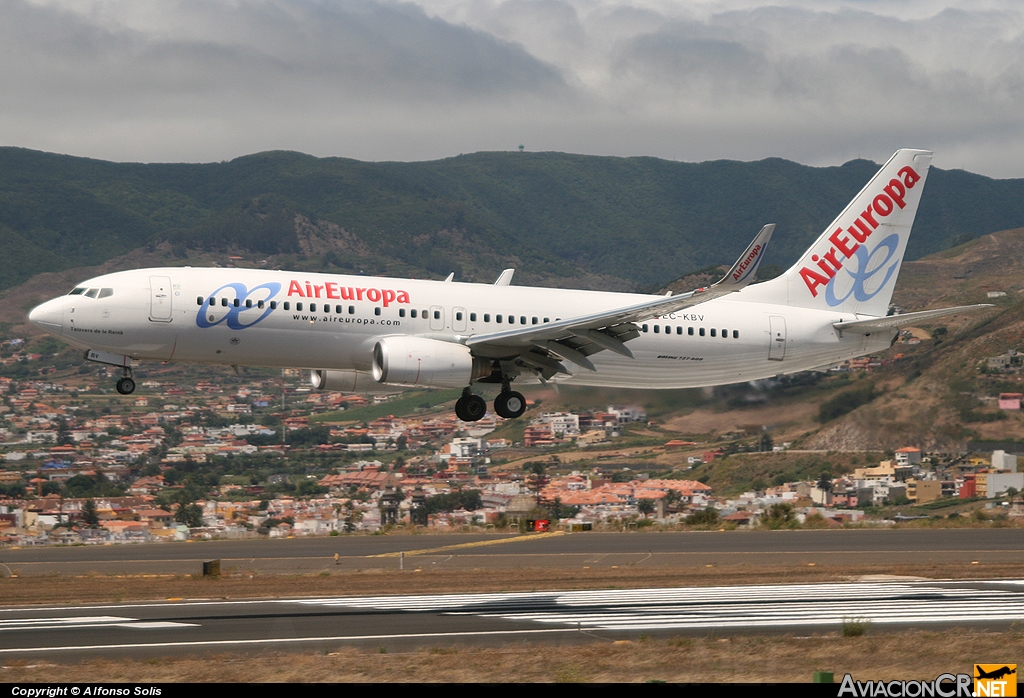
(891,322)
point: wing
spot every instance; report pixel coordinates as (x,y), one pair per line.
(540,348)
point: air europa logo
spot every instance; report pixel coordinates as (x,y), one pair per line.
(745,264)
(333,291)
(848,243)
(245,309)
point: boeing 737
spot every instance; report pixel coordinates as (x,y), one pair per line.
(367,334)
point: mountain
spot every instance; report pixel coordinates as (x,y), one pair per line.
(561,219)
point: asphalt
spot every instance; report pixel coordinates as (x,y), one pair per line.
(402,622)
(557,550)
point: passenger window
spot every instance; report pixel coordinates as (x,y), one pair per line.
(546,320)
(401,312)
(312,307)
(376,311)
(487,317)
(424,315)
(224,302)
(92,293)
(298,306)
(644,328)
(689,331)
(668,330)
(248,302)
(273,305)
(412,313)
(458,316)
(472,317)
(522,319)
(437,314)
(712,331)
(701,331)
(657,329)
(511,319)
(735,334)
(260,305)
(534,321)
(287,305)
(497,318)
(199,300)
(679,330)
(725,334)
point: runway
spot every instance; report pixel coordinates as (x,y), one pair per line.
(502,551)
(402,622)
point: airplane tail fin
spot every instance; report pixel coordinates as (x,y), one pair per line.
(852,267)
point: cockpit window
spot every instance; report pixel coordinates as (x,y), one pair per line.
(92,293)
(106,292)
(77,291)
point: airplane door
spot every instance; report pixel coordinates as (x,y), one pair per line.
(777,348)
(436,318)
(458,319)
(160,298)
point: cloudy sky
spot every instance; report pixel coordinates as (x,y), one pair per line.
(816,82)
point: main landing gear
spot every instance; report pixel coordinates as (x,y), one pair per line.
(470,407)
(509,404)
(126,384)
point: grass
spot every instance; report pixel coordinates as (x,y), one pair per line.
(712,659)
(406,404)
(855,627)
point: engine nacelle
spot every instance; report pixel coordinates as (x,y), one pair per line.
(347,382)
(428,363)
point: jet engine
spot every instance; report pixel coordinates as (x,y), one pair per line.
(429,363)
(347,382)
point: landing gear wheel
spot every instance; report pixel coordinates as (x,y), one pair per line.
(510,404)
(470,408)
(126,386)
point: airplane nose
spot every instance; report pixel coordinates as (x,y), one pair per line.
(49,316)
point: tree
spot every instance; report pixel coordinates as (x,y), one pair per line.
(645,506)
(89,515)
(825,482)
(189,514)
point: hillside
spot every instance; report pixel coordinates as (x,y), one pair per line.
(561,219)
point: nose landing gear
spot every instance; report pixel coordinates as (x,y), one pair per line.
(126,384)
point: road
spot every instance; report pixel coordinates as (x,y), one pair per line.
(404,622)
(496,551)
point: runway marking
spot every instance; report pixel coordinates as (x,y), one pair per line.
(475,544)
(80,622)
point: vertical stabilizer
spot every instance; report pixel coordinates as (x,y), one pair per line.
(853,266)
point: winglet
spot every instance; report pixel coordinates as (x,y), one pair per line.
(506,278)
(450,277)
(743,271)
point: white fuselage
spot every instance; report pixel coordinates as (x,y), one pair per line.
(165,314)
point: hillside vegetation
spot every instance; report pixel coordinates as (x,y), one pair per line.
(572,220)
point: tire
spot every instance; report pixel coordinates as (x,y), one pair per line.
(126,386)
(475,408)
(510,405)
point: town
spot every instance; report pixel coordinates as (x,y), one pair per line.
(251,456)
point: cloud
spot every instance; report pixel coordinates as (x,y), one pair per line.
(819,82)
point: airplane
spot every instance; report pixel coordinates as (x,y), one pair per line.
(374,334)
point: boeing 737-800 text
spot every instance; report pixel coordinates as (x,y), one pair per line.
(364,334)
